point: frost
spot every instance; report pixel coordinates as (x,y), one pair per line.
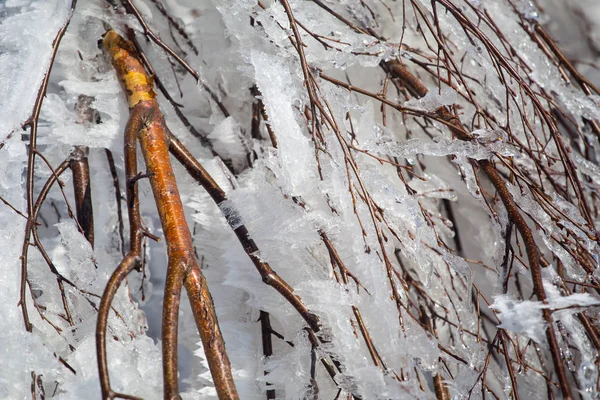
(77,251)
(573,301)
(525,316)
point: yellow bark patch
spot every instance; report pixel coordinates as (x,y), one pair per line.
(139,87)
(134,79)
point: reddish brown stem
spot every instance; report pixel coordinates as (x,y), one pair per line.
(267,344)
(129,263)
(146,121)
(83,192)
(33,124)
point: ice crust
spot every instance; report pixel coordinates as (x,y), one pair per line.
(25,57)
(525,316)
(287,198)
(433,100)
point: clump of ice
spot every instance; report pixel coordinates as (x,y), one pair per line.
(525,316)
(25,56)
(228,141)
(433,100)
(272,75)
(484,147)
(521,316)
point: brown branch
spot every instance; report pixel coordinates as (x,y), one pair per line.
(268,275)
(2,199)
(117,188)
(267,345)
(33,124)
(131,261)
(147,123)
(83,192)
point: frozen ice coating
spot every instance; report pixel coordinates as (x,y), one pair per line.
(440,146)
(526,316)
(227,140)
(396,199)
(433,100)
(24,58)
